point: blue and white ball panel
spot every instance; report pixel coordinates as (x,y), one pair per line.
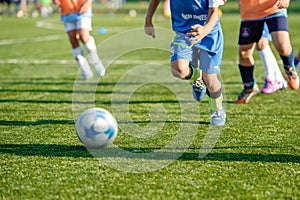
(96,128)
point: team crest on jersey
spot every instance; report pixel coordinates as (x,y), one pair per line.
(245,32)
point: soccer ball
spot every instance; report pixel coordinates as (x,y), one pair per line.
(96,128)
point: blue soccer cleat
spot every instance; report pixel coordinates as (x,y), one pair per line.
(218,117)
(199,90)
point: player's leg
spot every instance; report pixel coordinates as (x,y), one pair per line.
(83,65)
(250,33)
(85,25)
(210,66)
(23,11)
(270,62)
(278,28)
(274,80)
(215,99)
(183,67)
(246,67)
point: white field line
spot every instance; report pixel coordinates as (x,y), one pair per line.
(49,25)
(118,62)
(35,39)
(35,61)
(55,26)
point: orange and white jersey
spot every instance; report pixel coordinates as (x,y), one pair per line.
(71,6)
(255,9)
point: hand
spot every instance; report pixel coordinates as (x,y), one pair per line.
(283,3)
(149,29)
(56,2)
(197,33)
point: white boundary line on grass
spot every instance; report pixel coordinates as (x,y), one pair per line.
(118,62)
(34,39)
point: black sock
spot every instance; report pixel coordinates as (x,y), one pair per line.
(247,76)
(288,60)
(190,72)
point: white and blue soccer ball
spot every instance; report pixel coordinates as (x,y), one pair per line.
(96,128)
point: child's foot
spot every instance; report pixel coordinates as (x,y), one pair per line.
(199,90)
(218,117)
(273,86)
(246,95)
(293,77)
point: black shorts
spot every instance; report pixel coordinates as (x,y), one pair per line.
(251,31)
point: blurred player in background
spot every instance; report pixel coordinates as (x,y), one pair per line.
(254,13)
(77,18)
(274,81)
(198,40)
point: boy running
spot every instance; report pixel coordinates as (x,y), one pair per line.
(198,40)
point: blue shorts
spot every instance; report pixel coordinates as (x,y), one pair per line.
(251,31)
(266,33)
(208,52)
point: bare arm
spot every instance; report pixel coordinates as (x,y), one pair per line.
(283,3)
(56,2)
(198,31)
(149,28)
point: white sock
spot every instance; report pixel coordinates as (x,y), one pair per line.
(266,55)
(94,58)
(278,75)
(271,67)
(82,63)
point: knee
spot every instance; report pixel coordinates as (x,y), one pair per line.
(284,51)
(180,71)
(262,43)
(244,58)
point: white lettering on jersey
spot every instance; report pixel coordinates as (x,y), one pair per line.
(191,16)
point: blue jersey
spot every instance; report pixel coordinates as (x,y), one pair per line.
(186,13)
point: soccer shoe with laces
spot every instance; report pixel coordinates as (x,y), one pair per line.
(293,77)
(282,84)
(199,90)
(246,95)
(218,117)
(273,86)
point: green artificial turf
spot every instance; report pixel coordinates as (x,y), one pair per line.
(165,148)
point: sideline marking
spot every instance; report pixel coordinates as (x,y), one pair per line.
(118,62)
(35,39)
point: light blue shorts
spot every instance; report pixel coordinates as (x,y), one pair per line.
(82,23)
(206,54)
(76,21)
(266,33)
